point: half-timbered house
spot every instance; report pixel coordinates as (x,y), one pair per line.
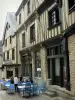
(10,63)
(40,41)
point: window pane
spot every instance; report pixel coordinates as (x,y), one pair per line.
(20,19)
(23,39)
(28,7)
(32,32)
(71,3)
(7,54)
(13,54)
(51,51)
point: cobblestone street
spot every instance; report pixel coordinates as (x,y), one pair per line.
(5,96)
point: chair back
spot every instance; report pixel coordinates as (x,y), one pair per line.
(12,86)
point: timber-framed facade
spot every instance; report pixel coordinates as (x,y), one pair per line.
(40,42)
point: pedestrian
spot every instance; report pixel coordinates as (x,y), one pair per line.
(12,80)
(21,78)
(16,83)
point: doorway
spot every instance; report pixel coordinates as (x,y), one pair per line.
(9,74)
(16,72)
(55,70)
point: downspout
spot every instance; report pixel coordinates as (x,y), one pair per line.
(67,65)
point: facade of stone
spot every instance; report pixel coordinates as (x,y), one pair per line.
(68,16)
(1,61)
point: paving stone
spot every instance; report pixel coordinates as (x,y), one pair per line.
(5,96)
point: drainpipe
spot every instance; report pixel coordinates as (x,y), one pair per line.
(67,65)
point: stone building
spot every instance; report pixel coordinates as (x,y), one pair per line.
(40,41)
(10,63)
(1,61)
(69,36)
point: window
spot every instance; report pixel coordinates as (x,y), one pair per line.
(32,33)
(7,26)
(20,18)
(28,5)
(5,42)
(16,18)
(23,40)
(13,54)
(71,3)
(56,50)
(53,17)
(37,64)
(7,54)
(4,57)
(10,39)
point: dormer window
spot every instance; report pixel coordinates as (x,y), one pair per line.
(20,18)
(28,7)
(10,39)
(7,26)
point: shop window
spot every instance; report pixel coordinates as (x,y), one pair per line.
(37,64)
(26,70)
(57,50)
(53,17)
(52,51)
(32,33)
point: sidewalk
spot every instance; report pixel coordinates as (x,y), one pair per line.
(5,96)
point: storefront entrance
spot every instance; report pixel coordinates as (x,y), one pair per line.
(55,71)
(56,65)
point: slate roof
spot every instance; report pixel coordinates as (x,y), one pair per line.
(11,20)
(1,48)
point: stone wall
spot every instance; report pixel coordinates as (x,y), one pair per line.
(71,48)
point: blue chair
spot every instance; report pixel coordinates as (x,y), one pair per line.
(41,87)
(2,84)
(27,90)
(10,89)
(19,89)
(35,89)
